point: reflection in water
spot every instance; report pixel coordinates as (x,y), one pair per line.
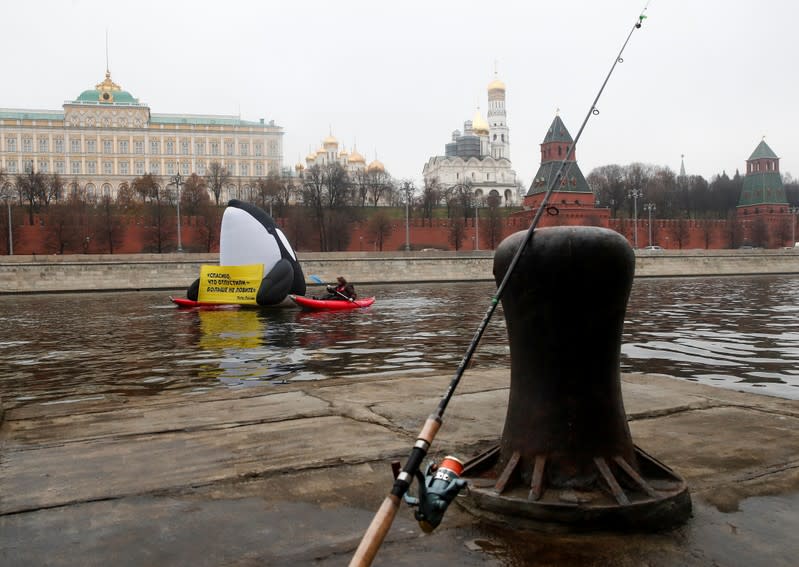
(741,333)
(734,332)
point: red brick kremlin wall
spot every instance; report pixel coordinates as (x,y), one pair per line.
(696,234)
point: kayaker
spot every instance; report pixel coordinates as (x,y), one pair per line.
(342,290)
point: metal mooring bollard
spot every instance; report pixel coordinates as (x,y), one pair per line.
(566,456)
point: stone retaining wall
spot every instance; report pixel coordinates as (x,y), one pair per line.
(38,274)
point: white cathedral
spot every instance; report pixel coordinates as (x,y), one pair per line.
(479,158)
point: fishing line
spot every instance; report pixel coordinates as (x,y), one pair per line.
(381,523)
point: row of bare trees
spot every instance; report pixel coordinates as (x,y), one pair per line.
(673,196)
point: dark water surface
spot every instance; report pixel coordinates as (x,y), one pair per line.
(741,333)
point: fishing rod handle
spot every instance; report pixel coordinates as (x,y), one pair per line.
(376,532)
(384,517)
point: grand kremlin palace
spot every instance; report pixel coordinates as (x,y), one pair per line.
(105,138)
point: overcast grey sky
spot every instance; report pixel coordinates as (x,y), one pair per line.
(704,78)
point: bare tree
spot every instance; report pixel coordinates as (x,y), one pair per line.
(110,230)
(30,186)
(194,195)
(161,223)
(492,224)
(53,189)
(607,183)
(215,178)
(326,189)
(431,197)
(360,183)
(268,192)
(313,193)
(147,188)
(379,184)
(457,230)
(287,190)
(126,197)
(211,224)
(379,228)
(681,232)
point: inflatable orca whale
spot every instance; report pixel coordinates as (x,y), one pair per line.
(250,236)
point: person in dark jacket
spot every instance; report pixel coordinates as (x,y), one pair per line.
(342,290)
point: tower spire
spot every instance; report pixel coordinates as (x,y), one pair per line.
(107,67)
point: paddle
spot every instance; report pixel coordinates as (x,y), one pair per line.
(317,279)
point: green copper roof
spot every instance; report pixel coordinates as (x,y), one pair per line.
(204,120)
(764,188)
(557,132)
(574,180)
(31,114)
(95,95)
(762,151)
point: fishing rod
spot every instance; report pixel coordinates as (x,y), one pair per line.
(444,486)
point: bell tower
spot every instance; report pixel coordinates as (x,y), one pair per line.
(499,136)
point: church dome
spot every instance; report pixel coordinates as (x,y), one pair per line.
(355,157)
(479,125)
(330,142)
(299,166)
(376,166)
(496,85)
(310,157)
(107,92)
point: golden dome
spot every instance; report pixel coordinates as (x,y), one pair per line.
(321,151)
(344,152)
(355,157)
(496,85)
(376,165)
(330,141)
(479,125)
(311,157)
(299,166)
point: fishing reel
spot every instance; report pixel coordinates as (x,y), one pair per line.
(438,487)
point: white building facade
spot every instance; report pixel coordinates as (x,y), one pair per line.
(479,157)
(105,138)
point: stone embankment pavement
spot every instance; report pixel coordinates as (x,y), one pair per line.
(291,475)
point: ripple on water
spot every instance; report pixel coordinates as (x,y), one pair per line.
(739,333)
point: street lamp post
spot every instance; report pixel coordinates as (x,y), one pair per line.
(793,210)
(635,194)
(178,180)
(649,207)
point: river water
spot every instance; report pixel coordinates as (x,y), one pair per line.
(740,333)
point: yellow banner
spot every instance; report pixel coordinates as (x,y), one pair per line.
(230,284)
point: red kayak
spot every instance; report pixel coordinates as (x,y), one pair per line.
(188,303)
(312,304)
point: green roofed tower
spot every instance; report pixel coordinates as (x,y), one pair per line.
(763,182)
(556,144)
